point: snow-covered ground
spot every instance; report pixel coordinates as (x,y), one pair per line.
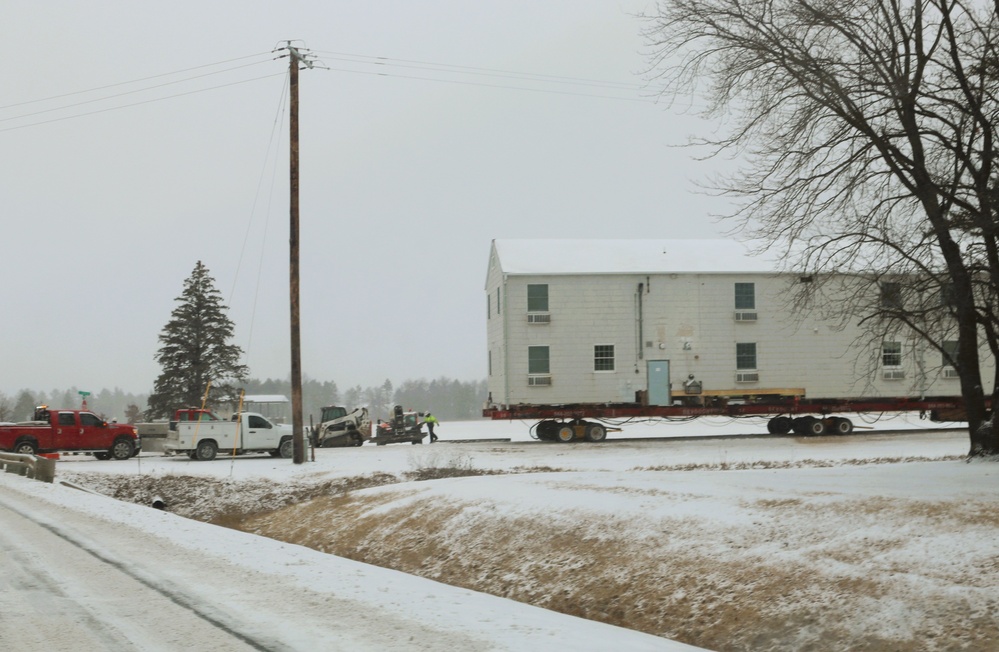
(797,528)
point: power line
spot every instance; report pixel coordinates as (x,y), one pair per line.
(559,81)
(472,70)
(110,97)
(149,101)
(134,81)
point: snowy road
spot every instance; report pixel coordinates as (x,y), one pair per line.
(82,571)
(60,591)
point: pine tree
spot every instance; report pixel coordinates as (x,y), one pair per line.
(196,350)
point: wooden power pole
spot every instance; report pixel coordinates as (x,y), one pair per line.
(294,58)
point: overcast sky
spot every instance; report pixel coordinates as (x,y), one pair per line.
(409,169)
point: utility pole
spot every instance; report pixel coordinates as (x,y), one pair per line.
(298,436)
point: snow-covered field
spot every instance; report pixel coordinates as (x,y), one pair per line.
(876,541)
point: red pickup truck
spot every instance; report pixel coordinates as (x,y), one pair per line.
(77,431)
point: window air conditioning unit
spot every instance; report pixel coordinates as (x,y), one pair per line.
(950,372)
(539,319)
(539,381)
(748,377)
(894,374)
(745,316)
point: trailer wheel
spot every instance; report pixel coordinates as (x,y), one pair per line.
(26,447)
(206,451)
(122,448)
(841,426)
(287,448)
(103,456)
(546,430)
(565,434)
(809,426)
(814,427)
(595,432)
(779,425)
(192,454)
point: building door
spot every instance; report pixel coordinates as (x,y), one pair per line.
(658,374)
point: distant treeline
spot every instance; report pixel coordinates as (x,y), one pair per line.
(449,400)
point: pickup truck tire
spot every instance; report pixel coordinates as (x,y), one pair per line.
(26,447)
(206,450)
(286,449)
(122,448)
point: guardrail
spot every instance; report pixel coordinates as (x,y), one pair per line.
(30,466)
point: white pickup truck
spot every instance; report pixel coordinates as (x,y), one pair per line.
(253,433)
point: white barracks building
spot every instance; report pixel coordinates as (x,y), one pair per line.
(667,321)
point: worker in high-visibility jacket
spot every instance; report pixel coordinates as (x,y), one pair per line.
(431,421)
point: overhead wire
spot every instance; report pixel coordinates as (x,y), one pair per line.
(271,161)
(149,101)
(478,71)
(132,92)
(132,81)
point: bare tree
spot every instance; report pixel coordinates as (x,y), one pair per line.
(868,135)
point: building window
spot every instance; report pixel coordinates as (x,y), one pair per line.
(490,363)
(537,298)
(603,357)
(949,354)
(499,308)
(891,354)
(745,355)
(489,307)
(948,296)
(745,296)
(537,360)
(891,296)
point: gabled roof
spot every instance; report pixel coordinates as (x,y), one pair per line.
(521,257)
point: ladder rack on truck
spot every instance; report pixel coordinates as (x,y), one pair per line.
(804,416)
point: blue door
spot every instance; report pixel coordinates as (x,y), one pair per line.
(658,382)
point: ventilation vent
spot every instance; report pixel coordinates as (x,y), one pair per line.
(950,372)
(749,377)
(539,381)
(539,319)
(745,316)
(894,374)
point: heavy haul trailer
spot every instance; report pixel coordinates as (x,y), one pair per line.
(566,423)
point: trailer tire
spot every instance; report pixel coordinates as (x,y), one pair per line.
(122,448)
(779,425)
(595,432)
(286,449)
(103,455)
(26,447)
(809,426)
(546,430)
(206,451)
(192,454)
(565,433)
(841,426)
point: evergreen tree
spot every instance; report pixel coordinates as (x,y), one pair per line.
(25,405)
(196,350)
